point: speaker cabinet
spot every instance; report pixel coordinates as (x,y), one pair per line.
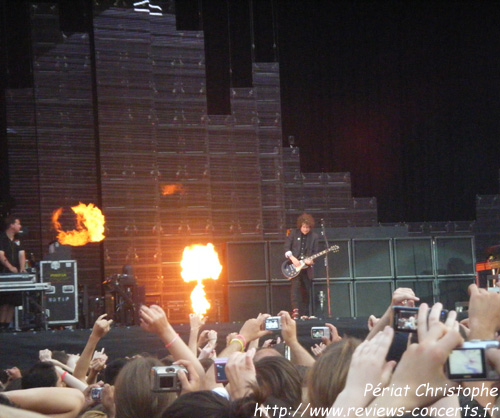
(247,261)
(455,256)
(276,258)
(280,297)
(372,258)
(452,291)
(339,263)
(372,298)
(247,300)
(413,257)
(341,299)
(424,289)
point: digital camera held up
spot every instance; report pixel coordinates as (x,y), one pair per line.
(165,378)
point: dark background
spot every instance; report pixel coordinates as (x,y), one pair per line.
(404,95)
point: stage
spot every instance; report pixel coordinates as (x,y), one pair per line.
(21,348)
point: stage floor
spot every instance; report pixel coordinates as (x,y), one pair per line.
(21,348)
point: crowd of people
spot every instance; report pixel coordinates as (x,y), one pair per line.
(253,373)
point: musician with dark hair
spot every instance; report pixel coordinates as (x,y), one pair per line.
(300,244)
(12,260)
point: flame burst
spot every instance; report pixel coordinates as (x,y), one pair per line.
(168,189)
(200,262)
(89,225)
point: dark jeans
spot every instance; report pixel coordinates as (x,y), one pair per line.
(301,293)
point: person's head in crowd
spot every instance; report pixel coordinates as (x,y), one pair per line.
(278,377)
(134,397)
(41,374)
(167,360)
(112,369)
(61,356)
(208,404)
(266,352)
(324,387)
(14,384)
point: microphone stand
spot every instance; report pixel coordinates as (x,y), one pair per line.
(323,231)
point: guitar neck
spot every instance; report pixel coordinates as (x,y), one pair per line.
(321,253)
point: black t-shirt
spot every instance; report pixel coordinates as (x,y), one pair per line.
(11,250)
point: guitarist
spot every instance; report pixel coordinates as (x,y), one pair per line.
(300,244)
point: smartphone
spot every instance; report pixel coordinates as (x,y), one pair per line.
(469,362)
(220,369)
(405,318)
(319,332)
(273,323)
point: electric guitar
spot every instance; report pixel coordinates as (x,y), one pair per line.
(290,271)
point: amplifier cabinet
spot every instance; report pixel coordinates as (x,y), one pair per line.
(61,299)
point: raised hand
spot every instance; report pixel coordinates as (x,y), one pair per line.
(101,326)
(153,319)
(240,372)
(191,381)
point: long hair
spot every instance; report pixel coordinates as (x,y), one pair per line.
(327,377)
(134,397)
(279,378)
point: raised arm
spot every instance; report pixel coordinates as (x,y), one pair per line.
(100,329)
(300,356)
(250,331)
(196,321)
(53,402)
(402,296)
(153,319)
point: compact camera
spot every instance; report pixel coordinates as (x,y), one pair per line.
(273,323)
(220,370)
(405,318)
(165,378)
(319,332)
(469,362)
(96,394)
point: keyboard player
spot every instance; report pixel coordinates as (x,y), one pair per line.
(12,260)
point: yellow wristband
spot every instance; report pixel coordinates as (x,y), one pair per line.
(241,342)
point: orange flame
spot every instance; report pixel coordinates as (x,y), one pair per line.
(200,262)
(89,225)
(199,302)
(167,189)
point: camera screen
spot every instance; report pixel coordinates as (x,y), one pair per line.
(167,381)
(272,323)
(318,333)
(468,362)
(95,394)
(406,320)
(220,372)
